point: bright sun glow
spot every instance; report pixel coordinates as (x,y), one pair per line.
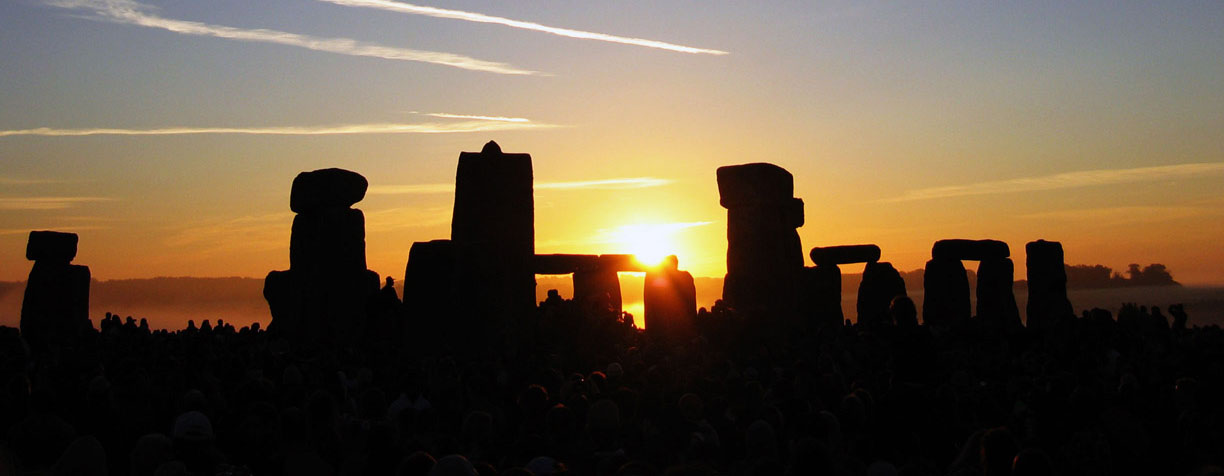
(651,242)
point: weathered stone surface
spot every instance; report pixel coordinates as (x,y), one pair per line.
(51,246)
(820,296)
(996,300)
(564,263)
(846,254)
(320,309)
(283,291)
(764,260)
(972,250)
(754,184)
(881,284)
(429,276)
(1047,282)
(670,301)
(493,230)
(945,292)
(326,188)
(55,308)
(598,290)
(329,240)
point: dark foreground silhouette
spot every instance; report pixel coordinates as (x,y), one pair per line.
(586,392)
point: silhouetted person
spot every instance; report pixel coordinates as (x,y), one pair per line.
(903,312)
(670,301)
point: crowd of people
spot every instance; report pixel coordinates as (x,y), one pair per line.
(572,390)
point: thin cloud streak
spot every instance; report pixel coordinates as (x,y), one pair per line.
(46,203)
(129,12)
(391,128)
(392,6)
(1084,178)
(607,184)
(480,118)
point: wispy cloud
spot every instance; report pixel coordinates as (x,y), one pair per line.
(1084,178)
(46,203)
(132,13)
(392,128)
(401,7)
(606,184)
(481,118)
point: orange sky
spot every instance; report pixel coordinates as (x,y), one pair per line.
(167,135)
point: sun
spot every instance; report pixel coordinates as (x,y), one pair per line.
(649,243)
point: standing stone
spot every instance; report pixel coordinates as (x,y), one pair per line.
(881,284)
(670,302)
(55,308)
(493,232)
(324,297)
(764,256)
(328,240)
(1047,281)
(429,277)
(820,299)
(945,292)
(996,300)
(597,290)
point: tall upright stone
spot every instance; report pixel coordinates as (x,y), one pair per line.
(764,256)
(429,279)
(996,299)
(55,308)
(945,288)
(493,232)
(1047,282)
(880,285)
(323,297)
(670,302)
(820,298)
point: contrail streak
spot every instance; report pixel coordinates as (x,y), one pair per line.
(480,118)
(424,128)
(126,11)
(409,8)
(1065,180)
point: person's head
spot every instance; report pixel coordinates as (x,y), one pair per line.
(903,311)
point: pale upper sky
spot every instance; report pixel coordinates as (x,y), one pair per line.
(167,133)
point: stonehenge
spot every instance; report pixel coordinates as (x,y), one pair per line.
(323,295)
(493,232)
(946,285)
(55,308)
(1047,282)
(821,299)
(764,256)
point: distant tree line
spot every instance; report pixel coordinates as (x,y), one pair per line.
(1083,276)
